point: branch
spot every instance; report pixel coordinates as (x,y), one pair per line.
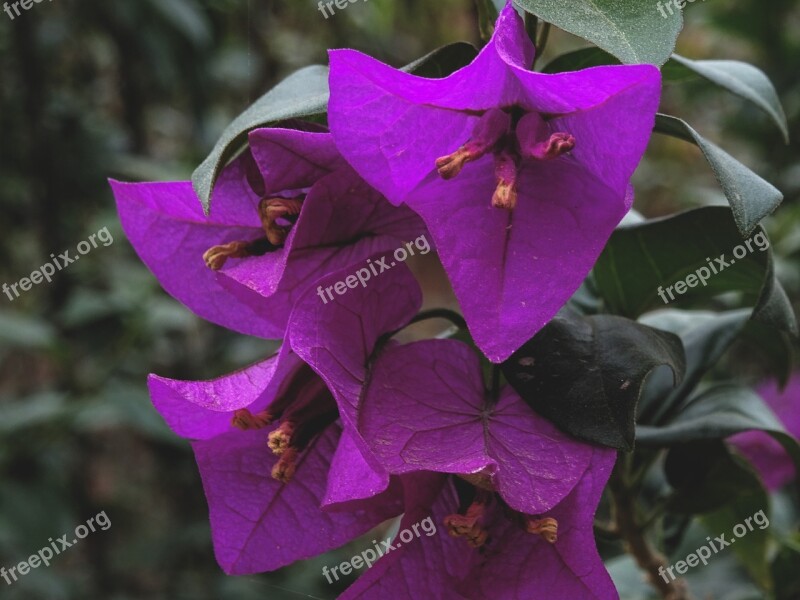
(647,557)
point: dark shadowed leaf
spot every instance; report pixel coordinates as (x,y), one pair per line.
(642,259)
(751,197)
(744,80)
(443,61)
(632,30)
(784,569)
(706,476)
(576,60)
(717,413)
(585,373)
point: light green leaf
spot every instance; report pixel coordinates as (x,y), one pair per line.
(632,30)
(751,197)
(744,80)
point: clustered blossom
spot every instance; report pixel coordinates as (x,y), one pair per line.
(520,178)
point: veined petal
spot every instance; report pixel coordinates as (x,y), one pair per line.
(259,524)
(166,226)
(426,410)
(512,271)
(289,159)
(204,409)
(336,337)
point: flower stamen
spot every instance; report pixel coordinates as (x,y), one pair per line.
(492,126)
(536,140)
(216,256)
(246,421)
(274,210)
(285,468)
(506,169)
(281,438)
(547,528)
(469,524)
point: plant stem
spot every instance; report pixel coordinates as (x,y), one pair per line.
(541,42)
(647,557)
(440,313)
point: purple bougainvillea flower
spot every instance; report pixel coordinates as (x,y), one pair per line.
(774,465)
(283,214)
(520,177)
(522,495)
(519,557)
(269,442)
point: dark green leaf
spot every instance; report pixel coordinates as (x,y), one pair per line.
(706,336)
(487,15)
(641,259)
(749,545)
(744,80)
(751,197)
(304,94)
(719,412)
(769,348)
(585,373)
(443,61)
(785,573)
(632,30)
(706,476)
(576,60)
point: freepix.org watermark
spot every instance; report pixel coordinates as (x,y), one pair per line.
(340,4)
(363,275)
(678,4)
(703,553)
(703,274)
(47,270)
(56,547)
(15,6)
(369,556)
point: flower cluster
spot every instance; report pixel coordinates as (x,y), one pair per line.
(518,178)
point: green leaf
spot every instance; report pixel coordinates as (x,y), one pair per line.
(487,16)
(785,573)
(585,58)
(773,350)
(632,30)
(706,476)
(641,259)
(585,373)
(304,94)
(744,80)
(20,331)
(719,412)
(706,336)
(751,197)
(750,546)
(443,61)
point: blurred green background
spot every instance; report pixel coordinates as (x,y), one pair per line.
(140,90)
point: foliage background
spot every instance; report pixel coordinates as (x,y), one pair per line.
(139,90)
